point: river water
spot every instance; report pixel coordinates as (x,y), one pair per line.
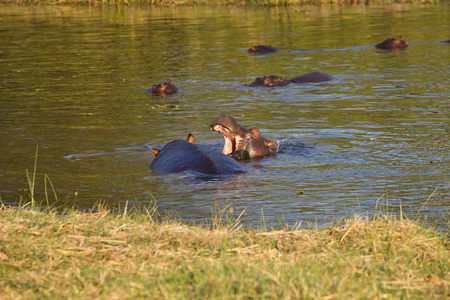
(74,81)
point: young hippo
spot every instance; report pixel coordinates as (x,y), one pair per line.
(164,88)
(269,81)
(312,78)
(185,156)
(392,44)
(239,139)
(262,49)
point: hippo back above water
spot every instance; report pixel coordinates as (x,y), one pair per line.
(181,156)
(313,77)
(273,80)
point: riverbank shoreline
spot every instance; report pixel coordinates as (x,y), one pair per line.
(126,255)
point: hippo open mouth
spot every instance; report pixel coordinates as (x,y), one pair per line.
(240,140)
(232,142)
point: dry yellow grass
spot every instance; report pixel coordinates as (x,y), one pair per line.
(220,2)
(105,256)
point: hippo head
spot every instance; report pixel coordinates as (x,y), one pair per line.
(239,139)
(233,133)
(269,81)
(262,49)
(164,88)
(393,44)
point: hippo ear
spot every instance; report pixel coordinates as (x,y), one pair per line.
(155,151)
(270,144)
(191,138)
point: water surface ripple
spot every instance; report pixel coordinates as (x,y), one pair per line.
(74,80)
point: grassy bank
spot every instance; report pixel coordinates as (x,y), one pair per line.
(44,255)
(219,2)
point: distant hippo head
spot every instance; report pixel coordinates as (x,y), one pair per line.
(269,81)
(392,44)
(262,49)
(239,139)
(164,88)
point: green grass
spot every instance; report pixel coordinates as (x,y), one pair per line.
(74,255)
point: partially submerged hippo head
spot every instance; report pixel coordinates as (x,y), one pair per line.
(262,49)
(181,156)
(269,81)
(392,44)
(164,88)
(238,138)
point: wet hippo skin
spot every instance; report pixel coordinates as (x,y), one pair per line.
(269,81)
(238,138)
(164,88)
(312,78)
(180,156)
(272,80)
(392,44)
(262,49)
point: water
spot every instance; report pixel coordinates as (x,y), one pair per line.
(74,80)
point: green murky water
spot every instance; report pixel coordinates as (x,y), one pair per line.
(74,80)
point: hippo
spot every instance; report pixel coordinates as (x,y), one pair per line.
(312,78)
(238,139)
(392,44)
(272,80)
(446,42)
(268,81)
(185,156)
(262,49)
(164,88)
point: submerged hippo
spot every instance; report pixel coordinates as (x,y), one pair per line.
(180,156)
(262,49)
(313,77)
(392,44)
(164,88)
(268,81)
(238,139)
(273,80)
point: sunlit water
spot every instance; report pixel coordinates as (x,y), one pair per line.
(73,81)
